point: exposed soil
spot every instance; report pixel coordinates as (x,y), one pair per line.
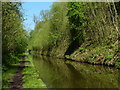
(17,82)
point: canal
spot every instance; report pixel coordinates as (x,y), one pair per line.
(58,73)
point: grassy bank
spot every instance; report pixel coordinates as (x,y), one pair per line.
(31,78)
(99,55)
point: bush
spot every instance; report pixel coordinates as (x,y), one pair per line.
(117,63)
(109,57)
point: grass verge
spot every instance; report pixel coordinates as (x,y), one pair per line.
(31,77)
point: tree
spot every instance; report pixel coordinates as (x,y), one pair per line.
(13,34)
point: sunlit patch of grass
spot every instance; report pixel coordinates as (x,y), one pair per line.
(31,77)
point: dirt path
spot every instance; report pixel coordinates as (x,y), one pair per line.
(17,79)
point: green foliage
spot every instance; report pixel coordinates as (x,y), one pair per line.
(117,63)
(58,22)
(82,49)
(86,31)
(9,60)
(14,37)
(22,54)
(49,32)
(40,36)
(7,75)
(109,57)
(76,15)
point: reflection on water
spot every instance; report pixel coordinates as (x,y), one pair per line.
(56,73)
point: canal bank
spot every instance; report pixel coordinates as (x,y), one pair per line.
(107,55)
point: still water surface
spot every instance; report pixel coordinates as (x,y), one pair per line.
(57,73)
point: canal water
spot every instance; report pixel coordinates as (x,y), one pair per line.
(58,73)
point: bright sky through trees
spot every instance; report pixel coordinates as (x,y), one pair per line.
(33,8)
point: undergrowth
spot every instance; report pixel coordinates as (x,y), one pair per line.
(7,75)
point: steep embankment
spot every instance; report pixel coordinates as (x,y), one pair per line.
(104,55)
(86,32)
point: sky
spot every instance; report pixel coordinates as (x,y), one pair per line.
(33,8)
